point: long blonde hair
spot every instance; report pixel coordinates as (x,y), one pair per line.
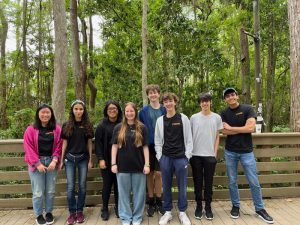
(138,128)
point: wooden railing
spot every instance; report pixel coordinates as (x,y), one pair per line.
(278,163)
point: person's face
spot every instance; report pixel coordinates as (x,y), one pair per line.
(129,113)
(231,98)
(153,96)
(205,105)
(169,104)
(45,116)
(112,111)
(78,111)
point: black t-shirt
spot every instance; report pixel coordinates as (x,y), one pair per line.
(103,137)
(45,141)
(242,142)
(173,137)
(130,159)
(77,142)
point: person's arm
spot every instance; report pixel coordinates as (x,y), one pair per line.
(146,157)
(158,138)
(114,166)
(99,146)
(228,132)
(217,142)
(189,138)
(63,151)
(90,148)
(247,128)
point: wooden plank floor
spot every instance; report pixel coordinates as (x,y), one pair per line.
(284,212)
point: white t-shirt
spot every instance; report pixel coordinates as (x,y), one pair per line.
(204,130)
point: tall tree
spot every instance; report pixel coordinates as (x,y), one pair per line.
(3,83)
(144,51)
(79,76)
(60,60)
(294,25)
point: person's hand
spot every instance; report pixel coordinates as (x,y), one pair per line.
(146,170)
(102,164)
(41,168)
(90,164)
(52,165)
(114,168)
(226,126)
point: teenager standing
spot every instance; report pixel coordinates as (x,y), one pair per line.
(148,116)
(77,134)
(42,145)
(205,129)
(130,161)
(112,116)
(173,145)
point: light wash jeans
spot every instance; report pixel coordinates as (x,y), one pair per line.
(249,165)
(43,188)
(71,167)
(134,183)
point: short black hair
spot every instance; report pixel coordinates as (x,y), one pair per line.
(113,102)
(204,97)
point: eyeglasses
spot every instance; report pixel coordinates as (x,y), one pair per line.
(112,109)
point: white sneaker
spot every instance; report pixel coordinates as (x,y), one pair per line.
(184,219)
(165,218)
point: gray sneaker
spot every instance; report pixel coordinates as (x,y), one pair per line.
(165,218)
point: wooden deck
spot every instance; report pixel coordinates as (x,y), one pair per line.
(284,212)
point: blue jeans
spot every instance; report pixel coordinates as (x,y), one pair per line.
(71,167)
(249,165)
(167,167)
(43,188)
(134,183)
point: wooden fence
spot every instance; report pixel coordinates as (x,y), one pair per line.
(278,163)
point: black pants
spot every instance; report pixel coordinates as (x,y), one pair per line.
(109,180)
(203,169)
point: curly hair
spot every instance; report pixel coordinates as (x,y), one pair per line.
(85,121)
(115,103)
(138,128)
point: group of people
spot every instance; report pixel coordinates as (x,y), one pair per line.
(139,152)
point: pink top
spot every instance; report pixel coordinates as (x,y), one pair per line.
(31,148)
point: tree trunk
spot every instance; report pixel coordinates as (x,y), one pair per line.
(294,25)
(144,52)
(91,77)
(3,84)
(270,85)
(245,61)
(60,60)
(39,63)
(80,79)
(25,73)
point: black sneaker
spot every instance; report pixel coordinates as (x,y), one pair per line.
(198,213)
(209,214)
(235,212)
(40,220)
(150,210)
(49,218)
(104,214)
(265,216)
(159,206)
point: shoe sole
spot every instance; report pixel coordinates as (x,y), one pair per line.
(166,222)
(234,217)
(198,218)
(48,223)
(37,223)
(267,221)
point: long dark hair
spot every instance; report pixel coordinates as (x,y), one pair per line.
(138,128)
(115,103)
(85,121)
(51,125)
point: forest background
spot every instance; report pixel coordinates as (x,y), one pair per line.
(185,46)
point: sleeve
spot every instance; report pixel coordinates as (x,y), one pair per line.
(188,137)
(145,136)
(99,145)
(223,116)
(158,137)
(192,122)
(114,139)
(219,122)
(31,153)
(251,113)
(141,115)
(62,134)
(58,143)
